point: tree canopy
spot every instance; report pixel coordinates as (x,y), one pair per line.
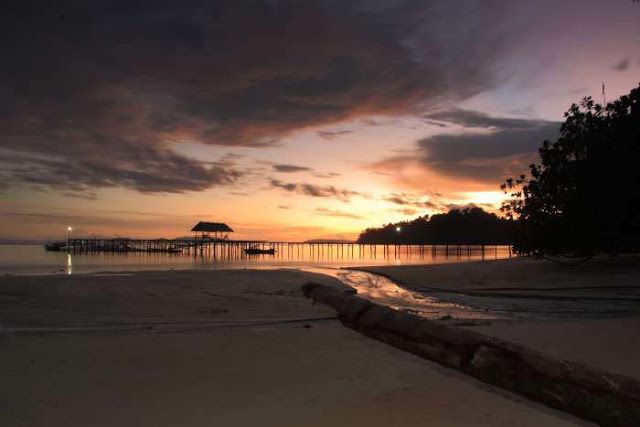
(584,196)
(458,226)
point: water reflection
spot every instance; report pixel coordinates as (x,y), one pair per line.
(384,291)
(32,259)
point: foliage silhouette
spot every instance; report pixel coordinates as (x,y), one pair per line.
(459,226)
(584,197)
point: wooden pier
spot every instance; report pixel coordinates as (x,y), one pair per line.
(212,239)
(232,248)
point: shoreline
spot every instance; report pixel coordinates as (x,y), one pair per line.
(299,266)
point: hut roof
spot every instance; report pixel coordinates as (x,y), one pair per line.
(211,226)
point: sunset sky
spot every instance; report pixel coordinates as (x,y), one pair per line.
(287,119)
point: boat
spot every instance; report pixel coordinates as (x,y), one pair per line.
(258,251)
(58,245)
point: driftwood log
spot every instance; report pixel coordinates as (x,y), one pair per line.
(607,399)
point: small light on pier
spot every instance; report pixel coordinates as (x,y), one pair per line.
(398,229)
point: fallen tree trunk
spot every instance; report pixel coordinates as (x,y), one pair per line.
(607,399)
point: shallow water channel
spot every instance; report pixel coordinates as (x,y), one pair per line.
(385,291)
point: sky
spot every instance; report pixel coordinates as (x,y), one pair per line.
(287,120)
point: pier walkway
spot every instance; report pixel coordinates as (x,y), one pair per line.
(196,246)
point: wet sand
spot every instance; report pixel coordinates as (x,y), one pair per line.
(612,345)
(232,348)
(588,313)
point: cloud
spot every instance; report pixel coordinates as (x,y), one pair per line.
(327,175)
(452,148)
(484,156)
(99,95)
(623,65)
(412,200)
(396,200)
(89,195)
(488,150)
(337,213)
(408,211)
(145,169)
(333,135)
(477,119)
(313,190)
(284,207)
(290,168)
(436,123)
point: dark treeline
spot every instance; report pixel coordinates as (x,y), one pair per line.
(583,197)
(458,226)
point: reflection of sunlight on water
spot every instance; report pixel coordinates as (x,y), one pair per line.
(33,259)
(386,292)
(69,264)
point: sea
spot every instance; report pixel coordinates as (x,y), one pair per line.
(34,259)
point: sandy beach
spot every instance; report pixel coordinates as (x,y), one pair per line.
(589,313)
(232,348)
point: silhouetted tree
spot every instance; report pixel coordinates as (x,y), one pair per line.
(584,197)
(458,226)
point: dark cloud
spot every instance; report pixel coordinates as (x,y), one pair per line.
(284,207)
(313,190)
(410,200)
(326,175)
(477,119)
(451,148)
(491,149)
(495,172)
(436,123)
(623,65)
(483,156)
(145,169)
(397,200)
(88,195)
(290,168)
(332,135)
(104,91)
(337,213)
(408,211)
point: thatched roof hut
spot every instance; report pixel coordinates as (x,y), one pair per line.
(211,227)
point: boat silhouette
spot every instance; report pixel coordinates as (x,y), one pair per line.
(258,251)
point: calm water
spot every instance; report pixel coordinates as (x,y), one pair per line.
(33,259)
(385,291)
